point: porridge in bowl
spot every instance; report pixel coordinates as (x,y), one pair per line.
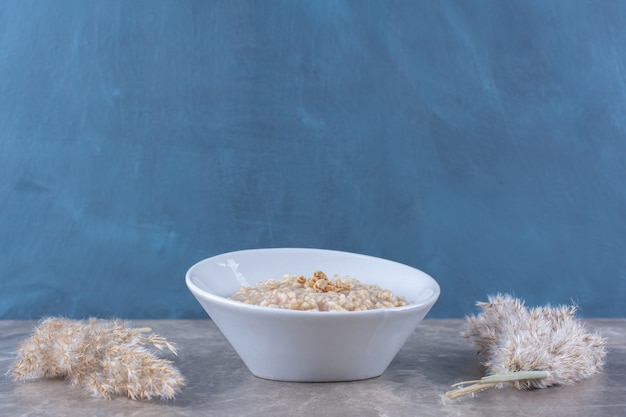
(318,293)
(292,345)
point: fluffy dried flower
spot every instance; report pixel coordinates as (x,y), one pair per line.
(104,357)
(530,348)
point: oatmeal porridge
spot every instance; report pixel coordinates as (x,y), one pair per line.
(318,293)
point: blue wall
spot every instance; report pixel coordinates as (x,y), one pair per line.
(483,142)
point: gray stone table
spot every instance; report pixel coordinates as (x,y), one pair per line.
(219,384)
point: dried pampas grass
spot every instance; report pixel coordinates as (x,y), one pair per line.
(530,348)
(104,357)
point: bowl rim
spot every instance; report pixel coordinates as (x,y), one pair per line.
(227,302)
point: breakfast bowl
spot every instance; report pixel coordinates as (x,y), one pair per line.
(309,345)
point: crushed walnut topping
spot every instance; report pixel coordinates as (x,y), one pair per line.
(319,282)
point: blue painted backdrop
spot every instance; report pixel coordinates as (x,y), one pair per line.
(481,141)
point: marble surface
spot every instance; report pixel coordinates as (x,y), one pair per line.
(219,384)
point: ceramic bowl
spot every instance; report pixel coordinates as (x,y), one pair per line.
(311,346)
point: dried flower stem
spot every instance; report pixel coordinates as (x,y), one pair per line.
(530,348)
(493,381)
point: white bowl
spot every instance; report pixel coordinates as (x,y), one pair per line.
(311,346)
